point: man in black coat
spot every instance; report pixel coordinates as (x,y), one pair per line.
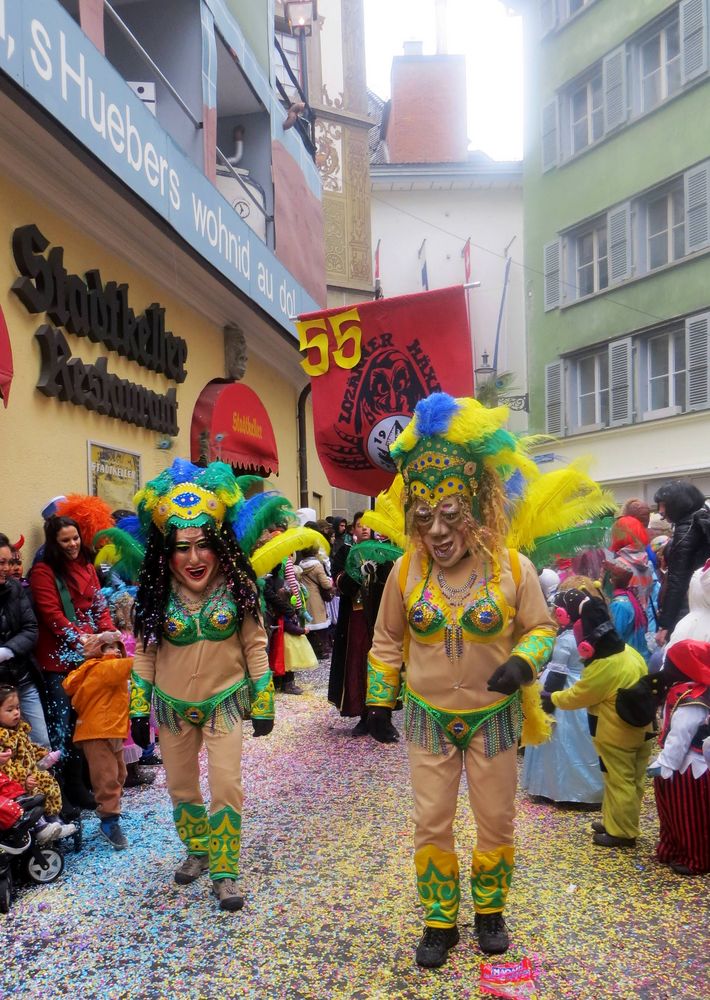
(683,504)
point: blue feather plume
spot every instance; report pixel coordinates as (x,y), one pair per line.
(434,414)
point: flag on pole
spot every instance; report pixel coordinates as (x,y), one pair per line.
(466,254)
(369,366)
(422,266)
(378,284)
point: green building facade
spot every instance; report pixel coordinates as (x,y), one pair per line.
(617,234)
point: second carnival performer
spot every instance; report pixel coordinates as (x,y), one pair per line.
(202,656)
(467,617)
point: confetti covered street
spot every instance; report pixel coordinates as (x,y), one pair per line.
(331,908)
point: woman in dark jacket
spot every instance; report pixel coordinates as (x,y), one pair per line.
(18,638)
(683,504)
(74,621)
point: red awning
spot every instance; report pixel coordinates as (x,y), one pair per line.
(6,368)
(230,423)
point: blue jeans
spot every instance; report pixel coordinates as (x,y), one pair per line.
(58,711)
(32,712)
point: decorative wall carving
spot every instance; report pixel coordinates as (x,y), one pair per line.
(357,183)
(329,154)
(335,239)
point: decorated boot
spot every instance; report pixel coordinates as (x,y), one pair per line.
(439,894)
(491,872)
(193,830)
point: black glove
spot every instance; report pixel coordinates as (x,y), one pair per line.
(510,675)
(555,681)
(547,703)
(140,731)
(379,725)
(262,727)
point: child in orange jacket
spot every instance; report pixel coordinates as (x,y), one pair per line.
(99,694)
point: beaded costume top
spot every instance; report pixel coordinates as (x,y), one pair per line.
(214,621)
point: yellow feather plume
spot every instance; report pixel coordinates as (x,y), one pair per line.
(273,552)
(388,516)
(537,725)
(107,555)
(555,501)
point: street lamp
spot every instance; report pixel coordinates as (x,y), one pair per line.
(301,14)
(484,371)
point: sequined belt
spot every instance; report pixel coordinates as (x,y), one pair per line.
(432,727)
(222,710)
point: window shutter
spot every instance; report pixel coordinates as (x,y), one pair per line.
(614,84)
(550,135)
(548,16)
(551,269)
(697,223)
(697,351)
(693,39)
(554,398)
(620,383)
(618,242)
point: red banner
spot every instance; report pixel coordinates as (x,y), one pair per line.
(369,365)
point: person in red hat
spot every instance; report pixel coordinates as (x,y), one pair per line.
(681,777)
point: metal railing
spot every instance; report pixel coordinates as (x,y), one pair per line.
(305,122)
(246,187)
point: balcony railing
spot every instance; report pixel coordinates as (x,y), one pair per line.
(305,122)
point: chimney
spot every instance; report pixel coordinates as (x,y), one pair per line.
(427,120)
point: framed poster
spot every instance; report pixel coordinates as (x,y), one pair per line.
(114,475)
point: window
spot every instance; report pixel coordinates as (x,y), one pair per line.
(659,61)
(591,254)
(587,113)
(592,390)
(666,227)
(666,370)
(574,6)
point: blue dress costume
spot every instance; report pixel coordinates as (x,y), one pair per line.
(565,769)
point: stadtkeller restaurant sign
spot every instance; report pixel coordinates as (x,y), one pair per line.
(97,309)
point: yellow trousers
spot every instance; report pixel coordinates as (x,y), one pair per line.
(624,784)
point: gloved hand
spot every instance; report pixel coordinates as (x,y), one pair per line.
(379,725)
(510,676)
(547,702)
(5,654)
(140,731)
(262,727)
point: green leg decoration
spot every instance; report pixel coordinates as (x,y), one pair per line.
(491,872)
(438,885)
(192,826)
(225,842)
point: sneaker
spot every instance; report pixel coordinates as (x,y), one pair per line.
(225,889)
(68,830)
(49,832)
(492,933)
(607,840)
(435,945)
(110,829)
(192,867)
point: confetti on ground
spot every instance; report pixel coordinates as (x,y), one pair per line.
(331,908)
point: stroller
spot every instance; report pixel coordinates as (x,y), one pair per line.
(22,858)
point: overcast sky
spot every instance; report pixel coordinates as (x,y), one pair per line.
(481,30)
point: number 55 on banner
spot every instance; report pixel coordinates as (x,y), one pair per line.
(314,339)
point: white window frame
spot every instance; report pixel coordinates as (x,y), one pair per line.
(666,194)
(675,406)
(660,31)
(590,111)
(591,228)
(599,356)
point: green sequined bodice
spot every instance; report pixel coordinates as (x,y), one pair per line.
(215,620)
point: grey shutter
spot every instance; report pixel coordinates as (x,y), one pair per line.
(550,135)
(693,39)
(697,223)
(554,398)
(618,238)
(548,16)
(620,383)
(551,271)
(614,84)
(697,352)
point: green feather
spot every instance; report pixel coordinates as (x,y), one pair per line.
(564,544)
(372,551)
(130,551)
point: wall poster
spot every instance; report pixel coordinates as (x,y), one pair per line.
(114,475)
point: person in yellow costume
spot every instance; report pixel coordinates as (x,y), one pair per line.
(468,618)
(624,746)
(202,659)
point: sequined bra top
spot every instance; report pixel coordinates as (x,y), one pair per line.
(483,615)
(215,620)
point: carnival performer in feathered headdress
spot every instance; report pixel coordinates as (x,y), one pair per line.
(202,658)
(466,615)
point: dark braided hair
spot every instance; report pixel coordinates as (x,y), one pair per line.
(154,579)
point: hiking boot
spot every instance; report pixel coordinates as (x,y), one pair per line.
(492,933)
(607,840)
(225,889)
(434,947)
(598,826)
(110,829)
(192,867)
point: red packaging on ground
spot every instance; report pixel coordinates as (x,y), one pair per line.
(513,980)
